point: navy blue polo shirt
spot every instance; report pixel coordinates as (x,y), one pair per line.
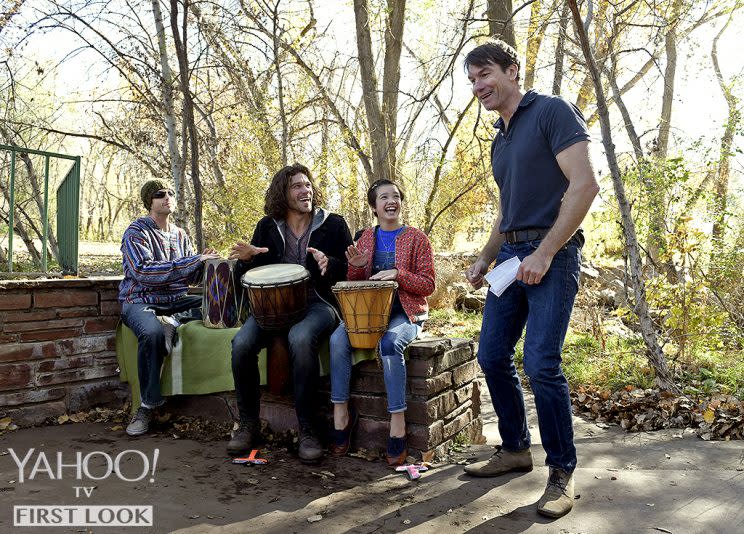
(531,184)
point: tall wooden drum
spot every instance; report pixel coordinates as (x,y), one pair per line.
(365,307)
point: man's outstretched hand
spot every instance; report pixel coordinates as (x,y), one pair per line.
(245,251)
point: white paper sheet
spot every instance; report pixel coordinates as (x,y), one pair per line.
(503,275)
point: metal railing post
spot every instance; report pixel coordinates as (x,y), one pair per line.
(46,214)
(12,210)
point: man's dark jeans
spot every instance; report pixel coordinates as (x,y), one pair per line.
(304,338)
(151,351)
(545,309)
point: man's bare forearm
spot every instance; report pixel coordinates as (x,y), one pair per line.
(582,188)
(576,203)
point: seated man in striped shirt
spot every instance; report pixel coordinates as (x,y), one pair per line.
(159,264)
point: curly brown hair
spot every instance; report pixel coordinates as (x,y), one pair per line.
(275,204)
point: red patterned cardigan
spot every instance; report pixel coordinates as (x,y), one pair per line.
(415,264)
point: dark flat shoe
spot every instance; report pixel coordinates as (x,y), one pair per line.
(397,451)
(341,439)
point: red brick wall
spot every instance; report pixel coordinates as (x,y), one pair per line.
(57,352)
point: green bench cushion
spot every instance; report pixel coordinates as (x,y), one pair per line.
(200,362)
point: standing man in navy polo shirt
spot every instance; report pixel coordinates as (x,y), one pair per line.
(541,164)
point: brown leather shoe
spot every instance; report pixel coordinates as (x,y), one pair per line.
(341,439)
(397,451)
(501,462)
(558,498)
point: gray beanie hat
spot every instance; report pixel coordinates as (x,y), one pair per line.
(149,188)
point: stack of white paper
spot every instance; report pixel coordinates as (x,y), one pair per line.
(502,276)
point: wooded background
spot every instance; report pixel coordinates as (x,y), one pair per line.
(217,95)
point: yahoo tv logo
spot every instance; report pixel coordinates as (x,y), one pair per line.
(95,466)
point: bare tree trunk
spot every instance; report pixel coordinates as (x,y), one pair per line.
(534,40)
(279,81)
(379,119)
(656,195)
(188,112)
(664,376)
(670,70)
(391,77)
(560,50)
(734,117)
(500,23)
(176,161)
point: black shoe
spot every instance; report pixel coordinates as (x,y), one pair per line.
(245,438)
(140,423)
(310,451)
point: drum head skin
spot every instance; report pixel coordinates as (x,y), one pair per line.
(275,274)
(364,284)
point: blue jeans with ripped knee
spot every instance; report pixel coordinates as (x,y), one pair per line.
(400,333)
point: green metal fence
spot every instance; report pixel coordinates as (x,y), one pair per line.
(68,209)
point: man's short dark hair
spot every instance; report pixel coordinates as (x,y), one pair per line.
(372,192)
(493,51)
(275,202)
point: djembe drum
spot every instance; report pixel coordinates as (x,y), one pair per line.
(278,298)
(278,294)
(365,307)
(223,301)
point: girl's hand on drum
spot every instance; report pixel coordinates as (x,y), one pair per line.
(356,257)
(209,254)
(245,251)
(388,274)
(321,258)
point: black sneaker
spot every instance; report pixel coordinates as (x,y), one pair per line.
(245,438)
(140,423)
(310,451)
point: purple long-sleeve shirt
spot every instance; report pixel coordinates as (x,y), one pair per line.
(158,264)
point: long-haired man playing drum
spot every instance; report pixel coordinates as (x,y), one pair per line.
(389,251)
(295,230)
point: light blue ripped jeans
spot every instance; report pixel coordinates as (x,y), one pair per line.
(400,333)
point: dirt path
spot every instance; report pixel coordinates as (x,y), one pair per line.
(651,482)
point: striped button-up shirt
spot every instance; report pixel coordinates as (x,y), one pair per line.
(158,265)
